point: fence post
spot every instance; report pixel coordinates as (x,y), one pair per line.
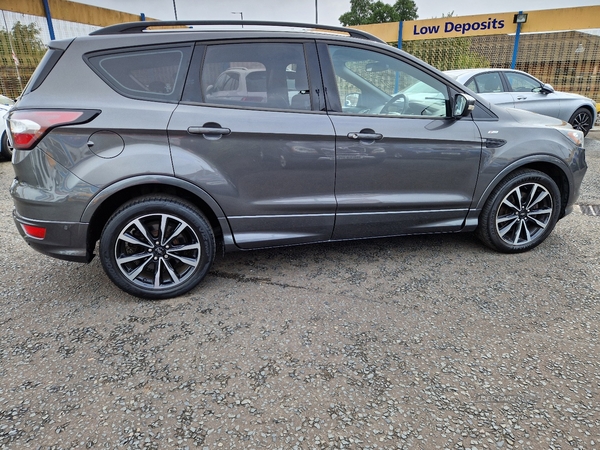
(513,64)
(400,34)
(49,19)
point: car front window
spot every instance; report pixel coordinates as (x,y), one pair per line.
(520,82)
(369,82)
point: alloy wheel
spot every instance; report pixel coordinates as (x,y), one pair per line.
(157,251)
(524,214)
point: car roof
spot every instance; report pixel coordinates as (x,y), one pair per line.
(460,72)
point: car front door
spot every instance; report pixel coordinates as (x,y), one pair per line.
(265,157)
(402,164)
(527,94)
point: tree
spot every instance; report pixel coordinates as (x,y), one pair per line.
(21,49)
(24,39)
(369,11)
(27,38)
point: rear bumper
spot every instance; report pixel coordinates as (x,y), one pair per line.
(63,240)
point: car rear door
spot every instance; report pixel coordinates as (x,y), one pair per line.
(404,167)
(266,158)
(491,86)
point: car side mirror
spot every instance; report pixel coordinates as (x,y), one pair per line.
(547,89)
(463,105)
(352,99)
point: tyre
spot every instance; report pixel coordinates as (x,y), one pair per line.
(5,149)
(157,247)
(520,213)
(582,120)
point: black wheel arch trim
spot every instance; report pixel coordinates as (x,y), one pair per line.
(109,192)
(521,163)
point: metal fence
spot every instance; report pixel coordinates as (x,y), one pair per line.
(570,61)
(23,41)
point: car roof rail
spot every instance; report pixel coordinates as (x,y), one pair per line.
(138,27)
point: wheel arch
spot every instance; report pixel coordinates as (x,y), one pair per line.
(106,202)
(553,167)
(560,178)
(584,106)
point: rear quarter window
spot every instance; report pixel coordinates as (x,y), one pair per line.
(156,73)
(43,69)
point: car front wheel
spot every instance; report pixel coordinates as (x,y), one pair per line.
(157,247)
(520,213)
(582,120)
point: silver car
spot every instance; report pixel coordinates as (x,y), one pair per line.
(5,105)
(516,89)
(120,139)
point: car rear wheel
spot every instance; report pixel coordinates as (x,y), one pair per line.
(5,149)
(520,213)
(582,120)
(157,247)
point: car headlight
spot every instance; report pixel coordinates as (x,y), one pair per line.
(575,136)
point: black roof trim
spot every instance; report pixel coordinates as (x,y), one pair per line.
(138,27)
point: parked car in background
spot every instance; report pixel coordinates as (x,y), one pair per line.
(5,150)
(517,89)
(146,142)
(4,100)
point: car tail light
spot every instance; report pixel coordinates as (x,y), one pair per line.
(28,127)
(33,231)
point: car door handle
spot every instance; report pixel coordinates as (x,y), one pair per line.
(365,136)
(521,98)
(212,131)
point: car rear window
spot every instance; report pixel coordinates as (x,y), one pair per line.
(156,74)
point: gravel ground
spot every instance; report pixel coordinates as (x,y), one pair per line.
(419,342)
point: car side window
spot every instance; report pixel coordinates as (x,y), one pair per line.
(155,73)
(369,82)
(489,82)
(260,75)
(520,82)
(472,85)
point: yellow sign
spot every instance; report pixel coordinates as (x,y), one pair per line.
(579,18)
(449,27)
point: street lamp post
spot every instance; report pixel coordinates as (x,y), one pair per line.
(241,16)
(316,11)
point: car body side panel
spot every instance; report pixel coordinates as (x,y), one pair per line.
(548,104)
(526,143)
(267,202)
(421,179)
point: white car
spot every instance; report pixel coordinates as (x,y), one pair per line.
(517,89)
(5,150)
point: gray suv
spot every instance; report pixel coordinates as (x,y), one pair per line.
(120,138)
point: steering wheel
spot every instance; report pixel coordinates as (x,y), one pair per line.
(391,101)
